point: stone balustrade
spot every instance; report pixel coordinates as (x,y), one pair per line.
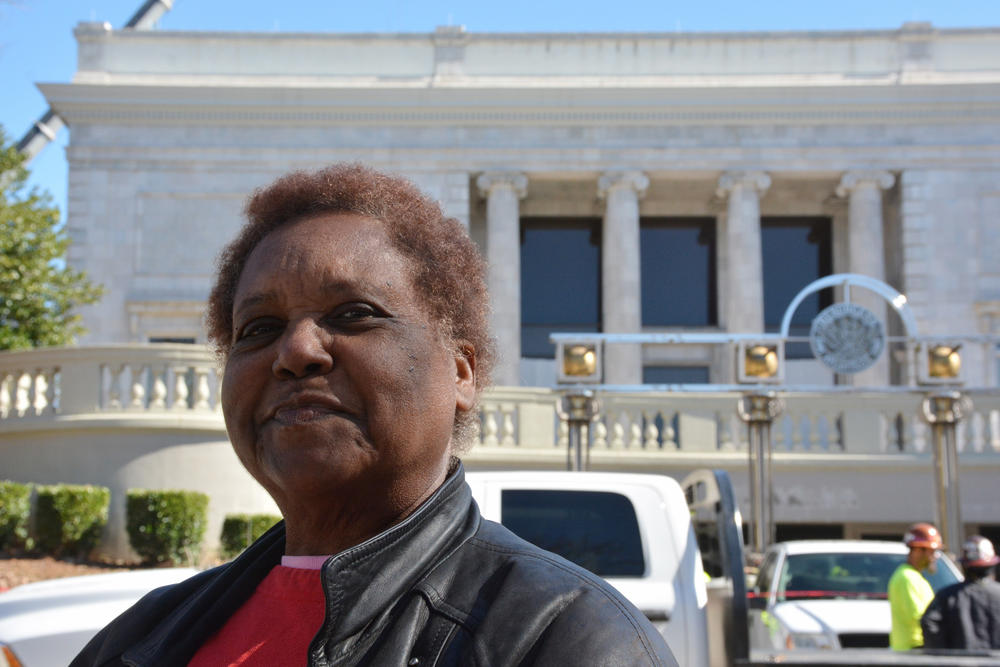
(519,419)
(59,382)
(148,416)
(183,381)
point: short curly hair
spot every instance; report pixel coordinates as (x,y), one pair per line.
(449,271)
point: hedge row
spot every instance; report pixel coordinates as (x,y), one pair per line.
(163,526)
(15,510)
(166,526)
(69,518)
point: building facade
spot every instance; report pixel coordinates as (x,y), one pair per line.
(618,183)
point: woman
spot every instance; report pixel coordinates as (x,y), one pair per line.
(351,316)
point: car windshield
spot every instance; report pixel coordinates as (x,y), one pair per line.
(848,575)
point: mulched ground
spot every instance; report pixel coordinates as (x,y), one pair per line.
(17,571)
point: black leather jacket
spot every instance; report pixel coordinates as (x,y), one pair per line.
(444,587)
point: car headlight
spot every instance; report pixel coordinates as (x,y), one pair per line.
(808,640)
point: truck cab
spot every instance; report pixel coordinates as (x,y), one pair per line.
(634,530)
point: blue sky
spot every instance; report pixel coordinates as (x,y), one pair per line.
(36,36)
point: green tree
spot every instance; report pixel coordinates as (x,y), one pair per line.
(38,292)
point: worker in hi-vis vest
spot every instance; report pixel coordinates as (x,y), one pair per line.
(909,591)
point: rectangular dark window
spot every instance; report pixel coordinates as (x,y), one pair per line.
(808,531)
(678,272)
(796,251)
(560,280)
(597,530)
(675,374)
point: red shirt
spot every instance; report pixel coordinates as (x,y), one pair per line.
(273,627)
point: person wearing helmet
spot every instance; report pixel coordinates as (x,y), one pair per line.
(966,615)
(909,591)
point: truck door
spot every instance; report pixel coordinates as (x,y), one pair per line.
(712,503)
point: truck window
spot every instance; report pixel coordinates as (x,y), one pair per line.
(847,575)
(597,530)
(766,573)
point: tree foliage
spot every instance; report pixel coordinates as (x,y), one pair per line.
(38,292)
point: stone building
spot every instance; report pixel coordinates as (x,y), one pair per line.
(617,183)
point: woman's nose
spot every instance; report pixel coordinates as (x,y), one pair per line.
(303,351)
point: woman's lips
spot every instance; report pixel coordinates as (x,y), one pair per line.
(303,414)
(306,408)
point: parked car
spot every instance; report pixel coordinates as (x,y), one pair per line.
(829,594)
(47,623)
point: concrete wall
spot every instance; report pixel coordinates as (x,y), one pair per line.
(124,458)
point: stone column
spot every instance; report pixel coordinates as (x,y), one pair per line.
(866,252)
(621,292)
(503,191)
(744,307)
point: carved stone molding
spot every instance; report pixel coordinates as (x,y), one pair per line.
(515,180)
(634,180)
(851,180)
(758,181)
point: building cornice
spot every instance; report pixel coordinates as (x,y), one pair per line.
(915,48)
(86,29)
(546,158)
(90,103)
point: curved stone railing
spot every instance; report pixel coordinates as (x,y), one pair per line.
(182,382)
(822,423)
(147,416)
(518,419)
(107,380)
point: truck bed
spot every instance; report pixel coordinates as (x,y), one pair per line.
(863,656)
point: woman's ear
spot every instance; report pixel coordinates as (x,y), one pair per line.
(465,376)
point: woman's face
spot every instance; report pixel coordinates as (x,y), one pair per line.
(337,386)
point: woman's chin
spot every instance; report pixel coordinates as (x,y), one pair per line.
(305,465)
(306,418)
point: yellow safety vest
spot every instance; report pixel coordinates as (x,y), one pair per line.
(909,595)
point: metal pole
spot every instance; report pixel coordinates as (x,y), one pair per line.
(955,537)
(576,442)
(759,410)
(766,481)
(574,446)
(757,488)
(940,481)
(943,411)
(578,408)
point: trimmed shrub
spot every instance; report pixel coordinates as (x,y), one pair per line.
(240,530)
(166,526)
(69,518)
(15,509)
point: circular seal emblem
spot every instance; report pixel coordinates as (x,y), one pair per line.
(847,337)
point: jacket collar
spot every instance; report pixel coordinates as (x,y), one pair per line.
(360,583)
(363,583)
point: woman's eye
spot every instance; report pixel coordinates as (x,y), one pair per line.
(257,328)
(355,311)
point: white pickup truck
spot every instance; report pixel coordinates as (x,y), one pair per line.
(634,530)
